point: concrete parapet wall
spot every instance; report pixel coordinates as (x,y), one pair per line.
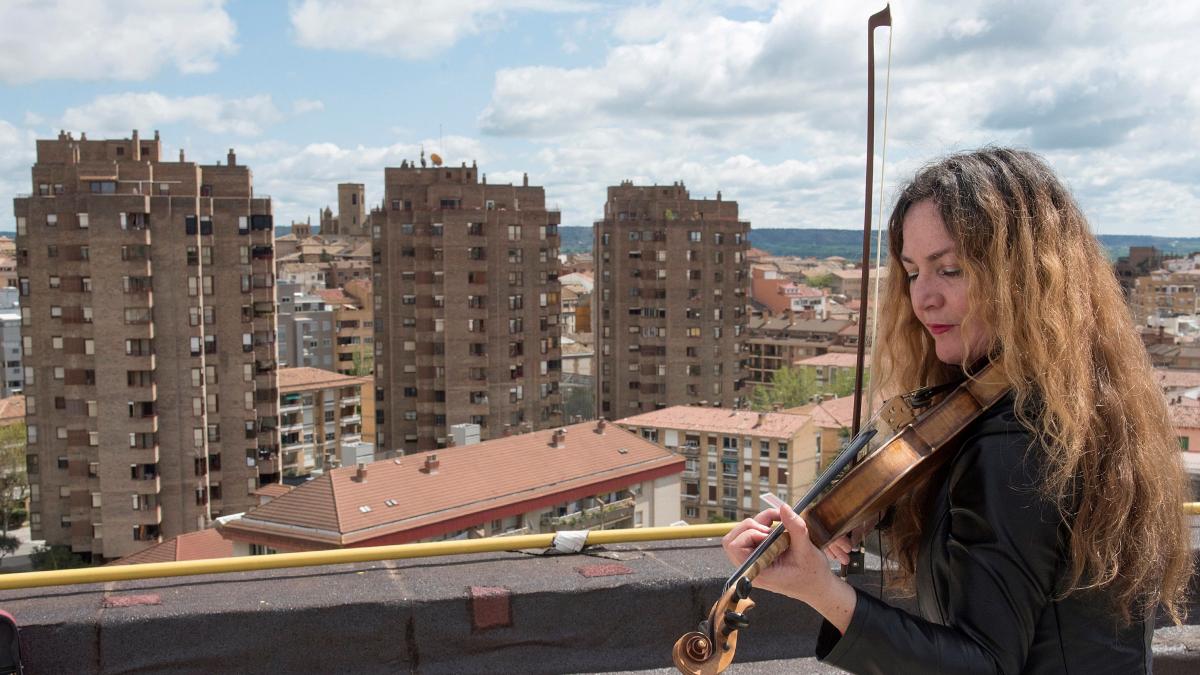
(616,610)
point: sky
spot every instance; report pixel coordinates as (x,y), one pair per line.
(763,101)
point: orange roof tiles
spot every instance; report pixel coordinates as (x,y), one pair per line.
(273,490)
(304,379)
(837,359)
(1170,378)
(1185,413)
(720,420)
(474,483)
(835,413)
(12,410)
(201,545)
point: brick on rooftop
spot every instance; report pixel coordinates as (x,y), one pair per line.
(779,425)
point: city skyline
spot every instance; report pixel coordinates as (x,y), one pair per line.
(582,95)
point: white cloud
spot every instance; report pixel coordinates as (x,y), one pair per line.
(305,105)
(726,102)
(409,30)
(112,40)
(17,154)
(303,179)
(116,114)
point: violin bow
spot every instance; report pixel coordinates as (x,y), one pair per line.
(710,649)
(877,20)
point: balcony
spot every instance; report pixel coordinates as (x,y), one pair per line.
(598,517)
(506,612)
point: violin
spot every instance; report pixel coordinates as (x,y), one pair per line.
(923,436)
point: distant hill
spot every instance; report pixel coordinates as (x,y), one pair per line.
(821,243)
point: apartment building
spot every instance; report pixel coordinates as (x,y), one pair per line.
(1163,294)
(670,300)
(466,307)
(147,317)
(305,328)
(731,457)
(354,327)
(320,417)
(585,476)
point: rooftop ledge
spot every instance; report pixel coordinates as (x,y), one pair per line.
(617,608)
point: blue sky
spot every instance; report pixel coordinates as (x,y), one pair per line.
(761,100)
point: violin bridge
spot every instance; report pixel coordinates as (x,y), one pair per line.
(895,414)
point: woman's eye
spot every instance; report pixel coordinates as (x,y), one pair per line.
(951,272)
(911,277)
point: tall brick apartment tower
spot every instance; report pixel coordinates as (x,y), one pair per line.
(148,336)
(669,306)
(467,307)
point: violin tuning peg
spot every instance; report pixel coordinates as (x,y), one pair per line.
(744,586)
(735,621)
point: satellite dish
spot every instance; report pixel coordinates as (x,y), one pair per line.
(436,159)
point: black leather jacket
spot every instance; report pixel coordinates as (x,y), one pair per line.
(990,560)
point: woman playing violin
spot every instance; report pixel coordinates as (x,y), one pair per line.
(1048,541)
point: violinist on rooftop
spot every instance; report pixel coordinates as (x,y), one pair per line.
(1054,534)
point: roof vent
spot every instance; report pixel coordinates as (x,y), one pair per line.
(364,509)
(558,439)
(396,461)
(431,463)
(623,451)
(600,424)
(390,502)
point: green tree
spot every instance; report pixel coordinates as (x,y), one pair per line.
(364,363)
(55,558)
(14,483)
(789,388)
(826,280)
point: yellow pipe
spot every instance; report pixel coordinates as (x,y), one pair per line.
(93,575)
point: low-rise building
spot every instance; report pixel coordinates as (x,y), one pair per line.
(831,371)
(779,294)
(584,476)
(320,414)
(732,456)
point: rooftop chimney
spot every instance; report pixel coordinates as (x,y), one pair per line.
(181,159)
(762,418)
(600,424)
(231,158)
(360,476)
(431,463)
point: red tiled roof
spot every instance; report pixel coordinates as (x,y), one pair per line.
(201,545)
(304,378)
(12,410)
(838,359)
(273,490)
(720,420)
(835,413)
(493,479)
(1185,414)
(1170,378)
(335,296)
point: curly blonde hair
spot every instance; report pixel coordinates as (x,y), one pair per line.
(1065,340)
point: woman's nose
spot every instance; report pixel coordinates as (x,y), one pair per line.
(924,294)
